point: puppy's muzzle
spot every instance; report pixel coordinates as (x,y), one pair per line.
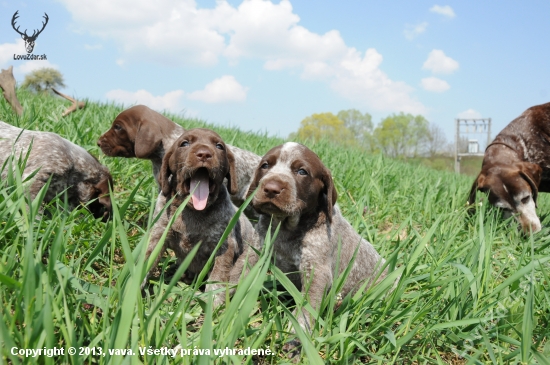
(203,154)
(272,189)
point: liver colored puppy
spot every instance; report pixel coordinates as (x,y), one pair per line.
(297,191)
(197,163)
(516,167)
(70,167)
(143,133)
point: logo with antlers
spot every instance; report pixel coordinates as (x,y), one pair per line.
(29,40)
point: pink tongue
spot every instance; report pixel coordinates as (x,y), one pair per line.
(200,194)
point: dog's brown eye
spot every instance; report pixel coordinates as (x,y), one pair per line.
(302,172)
(264,166)
(184,144)
(526,199)
(117,127)
(219,146)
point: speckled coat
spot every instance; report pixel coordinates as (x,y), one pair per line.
(516,166)
(205,226)
(296,191)
(69,166)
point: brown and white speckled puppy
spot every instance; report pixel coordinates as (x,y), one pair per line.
(516,167)
(197,163)
(296,190)
(143,133)
(70,167)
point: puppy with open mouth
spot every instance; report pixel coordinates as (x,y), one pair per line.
(197,164)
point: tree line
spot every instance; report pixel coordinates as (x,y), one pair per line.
(397,135)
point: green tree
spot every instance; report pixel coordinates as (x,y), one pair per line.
(402,135)
(324,125)
(43,79)
(360,126)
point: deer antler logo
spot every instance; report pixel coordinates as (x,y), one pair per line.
(29,40)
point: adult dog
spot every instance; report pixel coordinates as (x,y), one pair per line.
(70,167)
(143,133)
(516,167)
(197,164)
(295,190)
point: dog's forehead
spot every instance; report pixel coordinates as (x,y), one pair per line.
(292,151)
(201,134)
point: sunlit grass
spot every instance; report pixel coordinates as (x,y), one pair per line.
(472,288)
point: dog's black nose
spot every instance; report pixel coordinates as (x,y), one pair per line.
(203,154)
(272,189)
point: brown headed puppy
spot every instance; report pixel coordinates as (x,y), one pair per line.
(140,132)
(296,191)
(196,165)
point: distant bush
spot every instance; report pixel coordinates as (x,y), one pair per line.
(43,79)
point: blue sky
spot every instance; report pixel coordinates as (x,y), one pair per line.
(264,66)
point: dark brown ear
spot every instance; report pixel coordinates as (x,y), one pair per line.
(254,183)
(148,138)
(472,196)
(532,174)
(232,185)
(330,192)
(104,197)
(164,175)
(480,179)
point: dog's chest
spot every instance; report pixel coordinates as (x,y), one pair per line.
(287,253)
(192,231)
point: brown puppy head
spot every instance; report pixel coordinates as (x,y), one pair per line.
(98,193)
(513,188)
(136,132)
(197,163)
(292,181)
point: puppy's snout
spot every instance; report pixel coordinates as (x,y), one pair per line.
(272,188)
(203,154)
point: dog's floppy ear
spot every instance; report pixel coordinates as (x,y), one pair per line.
(232,185)
(164,174)
(148,137)
(532,174)
(478,182)
(254,183)
(103,188)
(330,192)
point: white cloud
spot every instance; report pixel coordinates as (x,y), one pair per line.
(7,50)
(165,31)
(223,89)
(469,114)
(439,63)
(179,33)
(170,101)
(413,31)
(360,79)
(443,10)
(434,84)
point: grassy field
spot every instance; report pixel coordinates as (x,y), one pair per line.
(472,290)
(470,165)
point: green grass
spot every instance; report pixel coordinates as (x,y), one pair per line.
(472,288)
